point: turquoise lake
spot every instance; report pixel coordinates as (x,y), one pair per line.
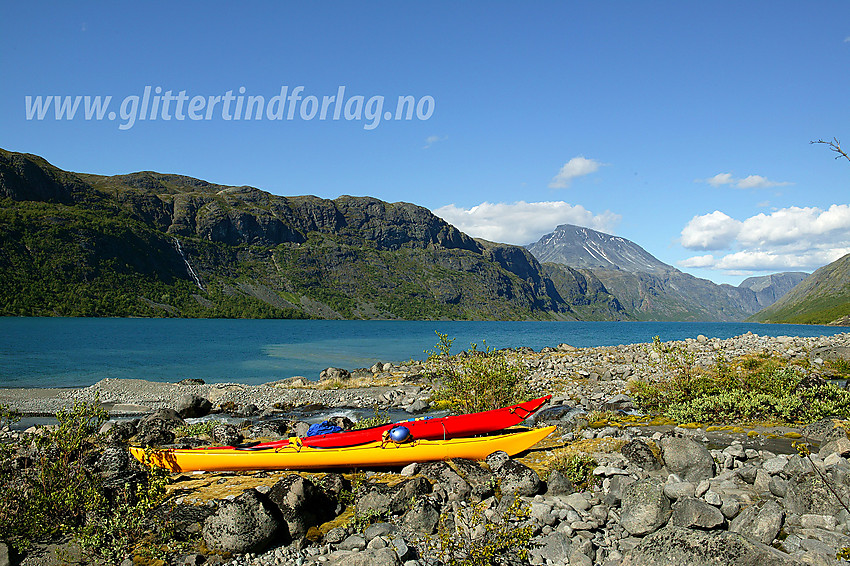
(73,352)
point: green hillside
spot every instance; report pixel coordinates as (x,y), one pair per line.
(822,298)
(151,244)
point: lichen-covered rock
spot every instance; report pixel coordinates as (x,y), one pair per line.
(481,480)
(518,479)
(695,513)
(760,522)
(248,523)
(225,434)
(422,518)
(807,494)
(678,545)
(641,455)
(456,488)
(645,508)
(559,484)
(370,557)
(688,459)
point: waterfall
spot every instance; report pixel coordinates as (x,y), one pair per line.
(191,271)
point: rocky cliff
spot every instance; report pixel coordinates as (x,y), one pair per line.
(149,244)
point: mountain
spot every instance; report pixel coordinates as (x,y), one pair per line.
(636,285)
(770,288)
(583,248)
(152,244)
(587,296)
(822,298)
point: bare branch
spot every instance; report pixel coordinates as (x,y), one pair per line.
(835,146)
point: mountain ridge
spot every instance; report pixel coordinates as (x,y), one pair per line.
(92,245)
(821,298)
(644,287)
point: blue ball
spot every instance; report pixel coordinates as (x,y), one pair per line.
(400,434)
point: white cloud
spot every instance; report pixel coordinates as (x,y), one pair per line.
(575,167)
(799,227)
(522,222)
(758,182)
(749,182)
(720,179)
(431,140)
(794,238)
(714,231)
(699,261)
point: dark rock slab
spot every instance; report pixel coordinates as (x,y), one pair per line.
(678,545)
(248,523)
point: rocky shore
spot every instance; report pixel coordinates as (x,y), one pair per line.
(662,493)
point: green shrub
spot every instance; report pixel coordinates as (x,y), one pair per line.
(757,390)
(59,493)
(378,419)
(469,538)
(578,468)
(198,429)
(127,528)
(54,495)
(477,381)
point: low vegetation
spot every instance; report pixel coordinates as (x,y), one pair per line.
(475,380)
(750,388)
(52,488)
(468,537)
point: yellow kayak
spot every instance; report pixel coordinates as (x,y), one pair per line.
(296,456)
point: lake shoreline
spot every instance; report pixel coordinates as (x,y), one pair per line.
(591,373)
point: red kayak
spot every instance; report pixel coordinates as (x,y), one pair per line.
(439,428)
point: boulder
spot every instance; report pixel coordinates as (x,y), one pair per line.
(559,484)
(334,374)
(480,480)
(641,455)
(552,548)
(193,406)
(679,545)
(273,430)
(248,523)
(404,494)
(807,494)
(695,513)
(5,555)
(518,479)
(225,434)
(423,518)
(457,488)
(496,460)
(840,446)
(114,458)
(371,557)
(760,521)
(688,459)
(301,504)
(156,429)
(645,508)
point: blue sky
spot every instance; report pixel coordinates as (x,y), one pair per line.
(682,126)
